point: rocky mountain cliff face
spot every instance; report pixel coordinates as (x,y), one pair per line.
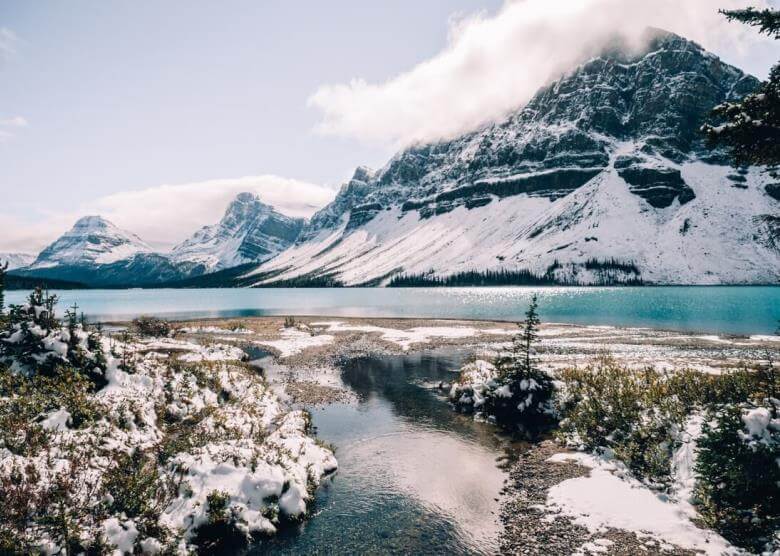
(601,177)
(250,231)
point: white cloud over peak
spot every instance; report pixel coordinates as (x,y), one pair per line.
(493,64)
(167,214)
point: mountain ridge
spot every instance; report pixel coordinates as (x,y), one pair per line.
(97,253)
(607,150)
(249,231)
(601,178)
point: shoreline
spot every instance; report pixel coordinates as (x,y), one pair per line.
(305,369)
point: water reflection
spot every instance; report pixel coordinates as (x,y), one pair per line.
(414,477)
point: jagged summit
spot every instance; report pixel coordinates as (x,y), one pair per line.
(604,163)
(92,240)
(250,231)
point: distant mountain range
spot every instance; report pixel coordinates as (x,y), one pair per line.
(601,178)
(97,253)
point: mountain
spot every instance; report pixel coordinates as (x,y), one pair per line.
(16,260)
(601,178)
(250,231)
(97,253)
(93,240)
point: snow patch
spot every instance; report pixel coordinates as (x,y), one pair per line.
(604,499)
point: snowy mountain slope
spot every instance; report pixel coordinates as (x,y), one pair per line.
(250,231)
(98,253)
(707,241)
(16,260)
(93,240)
(602,177)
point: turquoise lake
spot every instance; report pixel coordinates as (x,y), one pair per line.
(724,310)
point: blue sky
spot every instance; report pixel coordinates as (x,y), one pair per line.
(125,95)
(102,99)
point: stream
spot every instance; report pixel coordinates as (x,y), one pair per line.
(414,476)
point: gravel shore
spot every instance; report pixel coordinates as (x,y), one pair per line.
(530,528)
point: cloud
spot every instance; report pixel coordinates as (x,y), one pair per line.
(493,64)
(16,121)
(167,214)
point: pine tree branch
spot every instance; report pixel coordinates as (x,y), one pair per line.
(767,21)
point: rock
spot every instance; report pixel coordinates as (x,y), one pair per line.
(659,187)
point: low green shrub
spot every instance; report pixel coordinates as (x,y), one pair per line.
(151,326)
(220,535)
(639,414)
(633,413)
(738,467)
(24,400)
(135,487)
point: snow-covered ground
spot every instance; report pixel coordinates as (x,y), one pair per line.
(244,444)
(609,498)
(417,335)
(293,341)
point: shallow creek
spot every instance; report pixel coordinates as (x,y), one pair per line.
(414,477)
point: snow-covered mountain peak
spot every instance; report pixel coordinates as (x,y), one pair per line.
(92,240)
(249,231)
(16,260)
(602,176)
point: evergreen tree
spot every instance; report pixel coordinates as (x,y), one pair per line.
(738,489)
(529,334)
(3,268)
(750,128)
(522,394)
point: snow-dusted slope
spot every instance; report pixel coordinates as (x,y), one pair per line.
(601,178)
(250,231)
(93,240)
(725,235)
(16,260)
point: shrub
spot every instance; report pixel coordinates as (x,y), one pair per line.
(151,326)
(37,343)
(289,322)
(630,412)
(738,489)
(220,535)
(24,399)
(135,487)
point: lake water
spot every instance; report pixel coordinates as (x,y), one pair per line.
(727,309)
(414,476)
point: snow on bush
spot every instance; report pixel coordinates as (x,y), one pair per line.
(511,391)
(738,470)
(136,461)
(475,380)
